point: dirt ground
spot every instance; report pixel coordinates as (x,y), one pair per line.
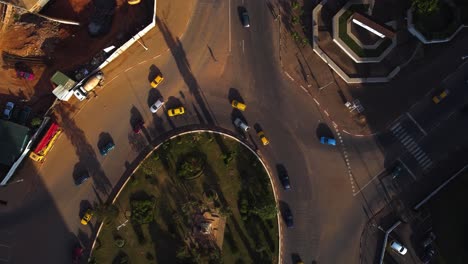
(58,46)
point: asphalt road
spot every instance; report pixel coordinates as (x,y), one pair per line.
(215,60)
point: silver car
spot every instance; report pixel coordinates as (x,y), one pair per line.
(240,124)
(156,106)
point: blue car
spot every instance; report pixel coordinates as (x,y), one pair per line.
(328,141)
(107,148)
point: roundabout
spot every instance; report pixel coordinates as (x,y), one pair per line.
(208,197)
(215,62)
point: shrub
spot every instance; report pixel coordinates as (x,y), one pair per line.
(295,20)
(425,7)
(191,166)
(295,5)
(142,211)
(36,121)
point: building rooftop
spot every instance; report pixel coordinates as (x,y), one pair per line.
(13,140)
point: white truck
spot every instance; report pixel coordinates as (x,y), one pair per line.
(81,91)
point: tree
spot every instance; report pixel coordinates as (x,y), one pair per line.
(191,166)
(142,211)
(425,7)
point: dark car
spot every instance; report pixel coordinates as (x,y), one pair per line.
(396,171)
(82,178)
(77,254)
(288,218)
(429,254)
(138,126)
(245,19)
(283,176)
(107,148)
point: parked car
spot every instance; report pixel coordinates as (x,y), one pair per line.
(28,76)
(428,239)
(107,148)
(133,2)
(429,253)
(156,106)
(328,141)
(176,111)
(283,176)
(77,254)
(263,138)
(245,19)
(138,126)
(82,178)
(240,124)
(157,80)
(8,110)
(87,217)
(437,98)
(396,171)
(238,105)
(398,247)
(288,217)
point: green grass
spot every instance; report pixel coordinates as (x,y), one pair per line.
(251,240)
(342,32)
(449,211)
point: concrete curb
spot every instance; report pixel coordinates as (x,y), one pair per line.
(212,131)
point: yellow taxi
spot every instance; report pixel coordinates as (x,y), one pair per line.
(238,105)
(436,99)
(176,111)
(87,217)
(157,81)
(133,2)
(263,138)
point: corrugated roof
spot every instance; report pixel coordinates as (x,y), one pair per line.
(13,140)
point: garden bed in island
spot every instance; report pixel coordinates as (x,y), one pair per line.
(198,198)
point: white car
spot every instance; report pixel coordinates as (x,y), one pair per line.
(396,246)
(156,106)
(8,110)
(238,122)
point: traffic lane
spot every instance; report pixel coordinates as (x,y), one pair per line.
(430,114)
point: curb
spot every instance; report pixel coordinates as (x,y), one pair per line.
(222,132)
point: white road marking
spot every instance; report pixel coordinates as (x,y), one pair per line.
(315,100)
(287,74)
(371,180)
(406,167)
(229,26)
(416,123)
(243,46)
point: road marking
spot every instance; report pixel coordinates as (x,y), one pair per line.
(229,26)
(325,111)
(243,46)
(417,124)
(287,74)
(157,56)
(315,100)
(406,167)
(371,180)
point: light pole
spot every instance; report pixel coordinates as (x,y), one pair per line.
(17,181)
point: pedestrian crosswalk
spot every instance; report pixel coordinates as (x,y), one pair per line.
(411,146)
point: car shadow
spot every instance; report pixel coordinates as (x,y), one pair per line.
(153,72)
(323,130)
(173,102)
(284,209)
(153,96)
(135,117)
(104,138)
(234,94)
(78,170)
(240,10)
